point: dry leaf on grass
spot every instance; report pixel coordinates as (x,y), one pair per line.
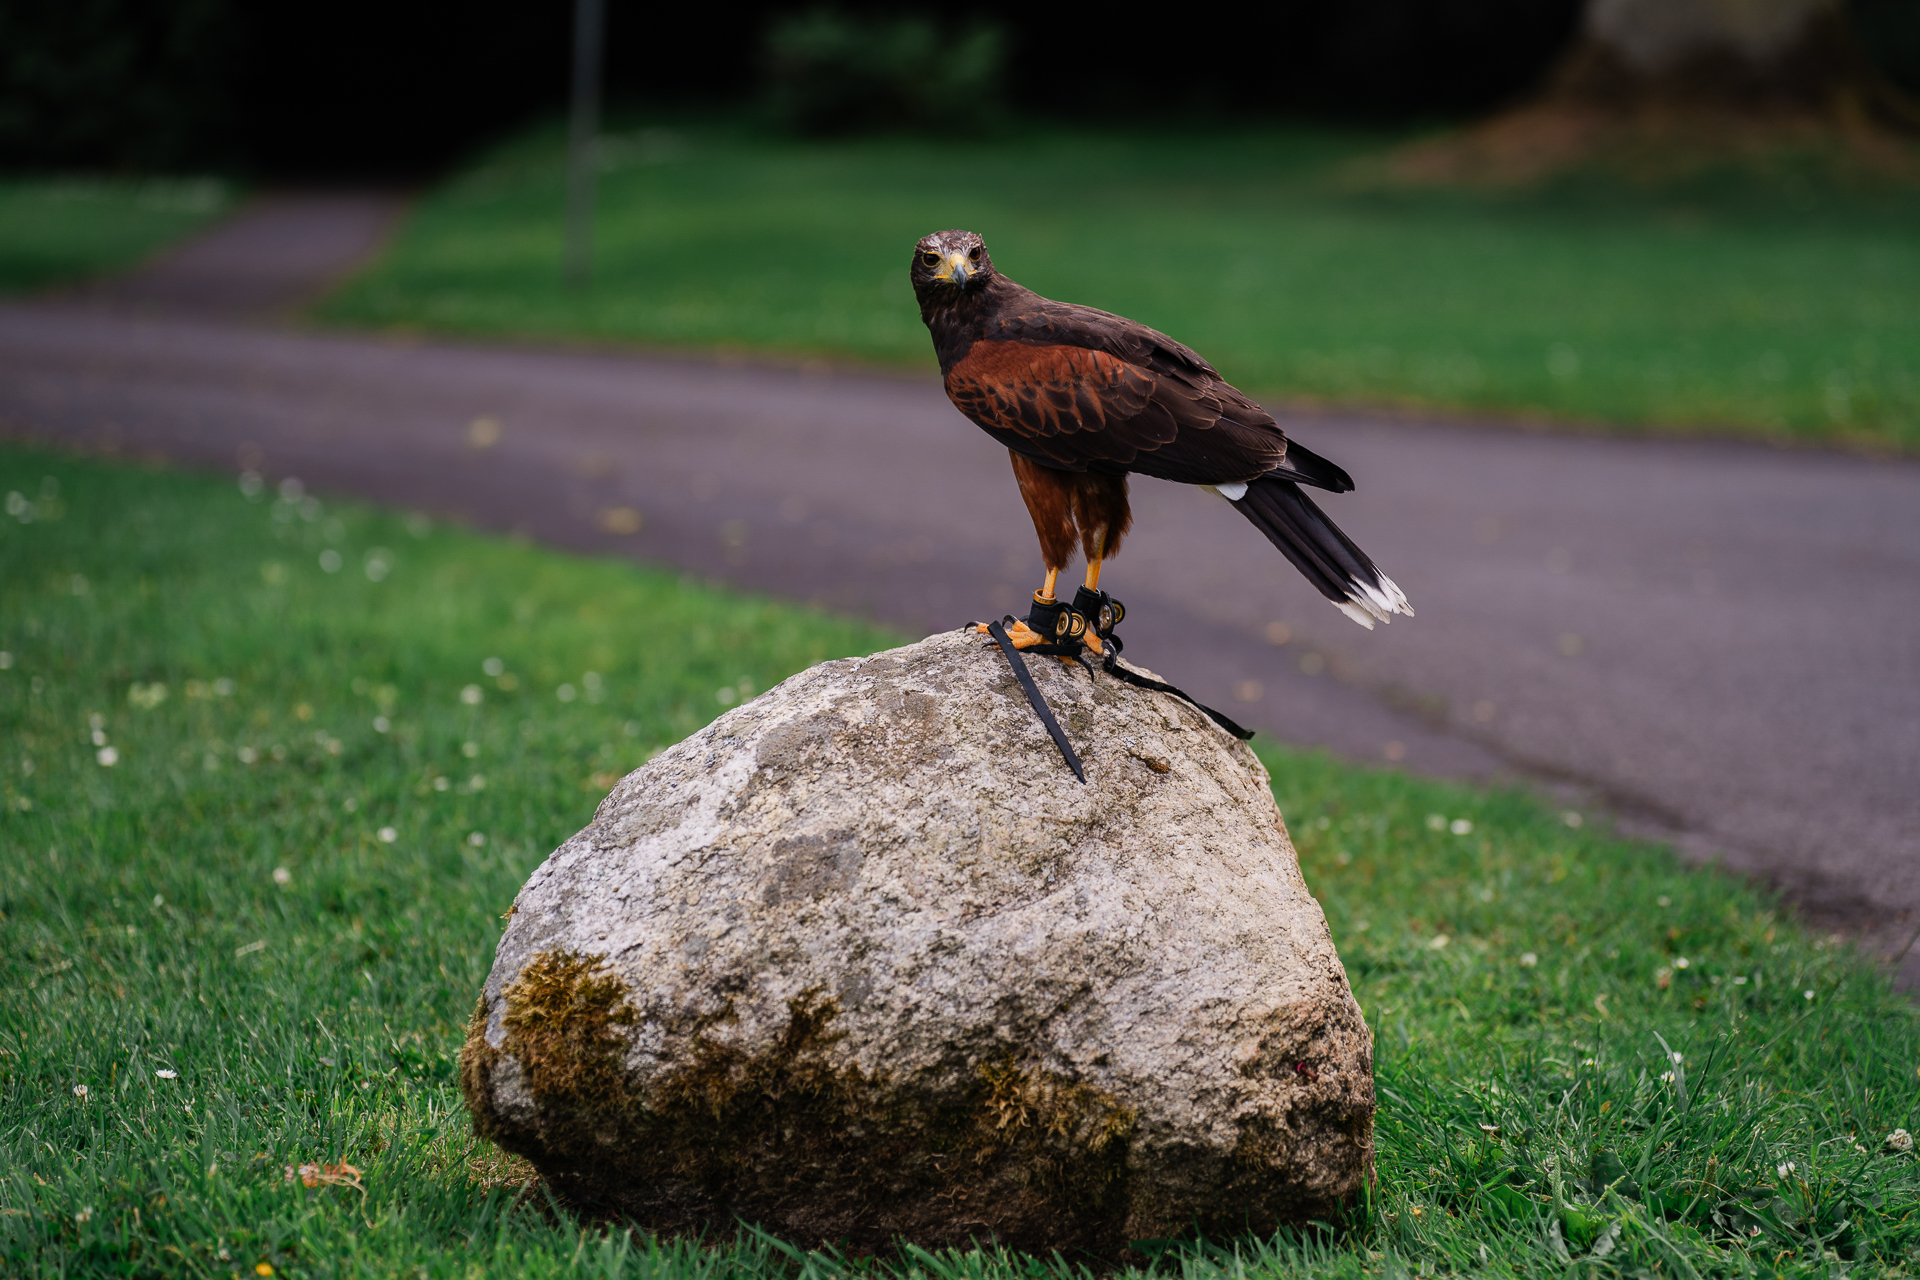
(325,1175)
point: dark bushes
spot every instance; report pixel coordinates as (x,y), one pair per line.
(830,72)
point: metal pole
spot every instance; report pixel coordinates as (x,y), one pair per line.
(589,32)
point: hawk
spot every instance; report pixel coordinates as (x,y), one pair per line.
(1082,399)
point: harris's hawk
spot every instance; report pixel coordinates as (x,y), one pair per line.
(1083,398)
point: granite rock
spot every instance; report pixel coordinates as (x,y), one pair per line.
(862,960)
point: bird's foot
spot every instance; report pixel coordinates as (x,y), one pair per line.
(1061,628)
(1103,613)
(1022,636)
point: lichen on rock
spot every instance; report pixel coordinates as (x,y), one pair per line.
(861,960)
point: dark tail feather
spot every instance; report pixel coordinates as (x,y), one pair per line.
(1317,548)
(1304,466)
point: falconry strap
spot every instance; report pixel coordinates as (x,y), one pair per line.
(1025,677)
(1100,613)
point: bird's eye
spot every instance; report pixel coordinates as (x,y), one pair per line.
(931,259)
(975,252)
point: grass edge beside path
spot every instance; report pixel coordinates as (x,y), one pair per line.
(66,230)
(271,766)
(1776,303)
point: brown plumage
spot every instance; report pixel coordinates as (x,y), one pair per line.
(1083,398)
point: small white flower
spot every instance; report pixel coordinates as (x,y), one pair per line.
(1460,826)
(1668,1077)
(1739,979)
(493,666)
(1784,1170)
(1682,963)
(471,695)
(80,1091)
(1899,1141)
(476,838)
(1528,959)
(84,1216)
(381,724)
(1571,818)
(1808,993)
(478,782)
(1440,940)
(167,1073)
(107,756)
(1678,1058)
(388,835)
(247,755)
(1664,900)
(282,876)
(1436,822)
(726,695)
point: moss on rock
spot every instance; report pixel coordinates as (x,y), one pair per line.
(784,1136)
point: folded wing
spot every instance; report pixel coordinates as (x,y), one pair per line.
(1081,407)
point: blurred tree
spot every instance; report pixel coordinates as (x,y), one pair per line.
(107,82)
(1671,86)
(401,87)
(1792,57)
(831,72)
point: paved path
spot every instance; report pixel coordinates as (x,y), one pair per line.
(1719,643)
(284,250)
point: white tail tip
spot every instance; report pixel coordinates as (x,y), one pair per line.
(1367,604)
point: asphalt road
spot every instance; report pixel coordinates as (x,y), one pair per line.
(1718,644)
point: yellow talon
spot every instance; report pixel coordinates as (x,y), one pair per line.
(1022,635)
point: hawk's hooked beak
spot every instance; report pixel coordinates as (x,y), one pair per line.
(955,270)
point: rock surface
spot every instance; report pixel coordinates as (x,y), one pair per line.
(861,960)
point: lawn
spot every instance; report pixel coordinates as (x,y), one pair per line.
(1780,301)
(58,230)
(271,767)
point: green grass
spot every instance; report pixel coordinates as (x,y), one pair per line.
(58,230)
(1780,302)
(284,891)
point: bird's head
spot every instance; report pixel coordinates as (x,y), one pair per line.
(950,260)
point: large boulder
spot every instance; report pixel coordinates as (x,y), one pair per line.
(862,960)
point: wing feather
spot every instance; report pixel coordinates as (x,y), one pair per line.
(1083,407)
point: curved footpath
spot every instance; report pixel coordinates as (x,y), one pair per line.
(1717,642)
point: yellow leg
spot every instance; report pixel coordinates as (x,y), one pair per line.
(1045,594)
(1093,584)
